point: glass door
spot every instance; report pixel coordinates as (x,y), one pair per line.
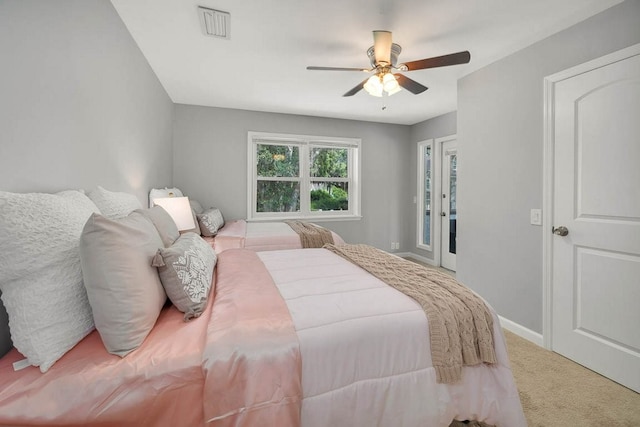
(425,153)
(449,213)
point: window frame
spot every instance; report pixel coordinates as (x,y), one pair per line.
(304,143)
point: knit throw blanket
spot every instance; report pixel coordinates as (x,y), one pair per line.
(311,235)
(460,324)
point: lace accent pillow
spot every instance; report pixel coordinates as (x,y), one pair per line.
(186,272)
(210,222)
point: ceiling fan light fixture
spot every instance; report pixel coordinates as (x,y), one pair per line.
(373,86)
(390,84)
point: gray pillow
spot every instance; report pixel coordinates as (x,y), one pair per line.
(163,222)
(186,272)
(210,222)
(196,206)
(124,290)
(195,229)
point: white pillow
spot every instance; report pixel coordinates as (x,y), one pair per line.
(41,280)
(112,204)
(80,197)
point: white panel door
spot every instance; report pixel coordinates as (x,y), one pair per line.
(595,272)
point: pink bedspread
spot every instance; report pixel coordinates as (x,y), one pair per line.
(250,323)
(236,363)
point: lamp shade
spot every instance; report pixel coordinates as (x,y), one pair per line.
(179,209)
(373,86)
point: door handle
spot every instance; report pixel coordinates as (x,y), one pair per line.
(560,231)
(443,214)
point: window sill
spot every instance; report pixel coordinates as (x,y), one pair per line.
(321,218)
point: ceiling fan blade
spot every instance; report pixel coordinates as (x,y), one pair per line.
(439,61)
(411,85)
(337,69)
(356,89)
(382,46)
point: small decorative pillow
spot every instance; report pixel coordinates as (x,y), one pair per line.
(41,279)
(186,272)
(114,205)
(210,222)
(163,222)
(124,290)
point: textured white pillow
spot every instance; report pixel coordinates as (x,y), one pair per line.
(80,197)
(41,280)
(112,204)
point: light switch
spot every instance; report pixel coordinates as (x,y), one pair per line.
(536,216)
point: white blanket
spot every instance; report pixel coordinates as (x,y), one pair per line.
(366,357)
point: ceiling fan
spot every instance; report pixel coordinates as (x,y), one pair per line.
(383,56)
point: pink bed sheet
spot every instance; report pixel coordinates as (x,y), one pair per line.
(258,236)
(159,384)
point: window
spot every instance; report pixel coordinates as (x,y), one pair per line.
(297,176)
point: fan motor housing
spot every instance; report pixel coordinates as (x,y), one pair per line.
(395,51)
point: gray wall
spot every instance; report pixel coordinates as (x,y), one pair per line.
(500,144)
(210,165)
(79,104)
(437,127)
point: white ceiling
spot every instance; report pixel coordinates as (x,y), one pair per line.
(263,66)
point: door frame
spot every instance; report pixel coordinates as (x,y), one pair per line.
(443,168)
(548,177)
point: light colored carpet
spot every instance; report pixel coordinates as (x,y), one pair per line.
(558,392)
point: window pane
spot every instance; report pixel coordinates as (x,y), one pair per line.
(329,196)
(278,160)
(278,196)
(329,162)
(426,238)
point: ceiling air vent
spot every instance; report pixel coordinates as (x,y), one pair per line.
(215,23)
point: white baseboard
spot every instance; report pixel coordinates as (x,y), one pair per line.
(416,257)
(521,331)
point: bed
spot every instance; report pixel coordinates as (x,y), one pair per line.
(298,337)
(363,360)
(258,236)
